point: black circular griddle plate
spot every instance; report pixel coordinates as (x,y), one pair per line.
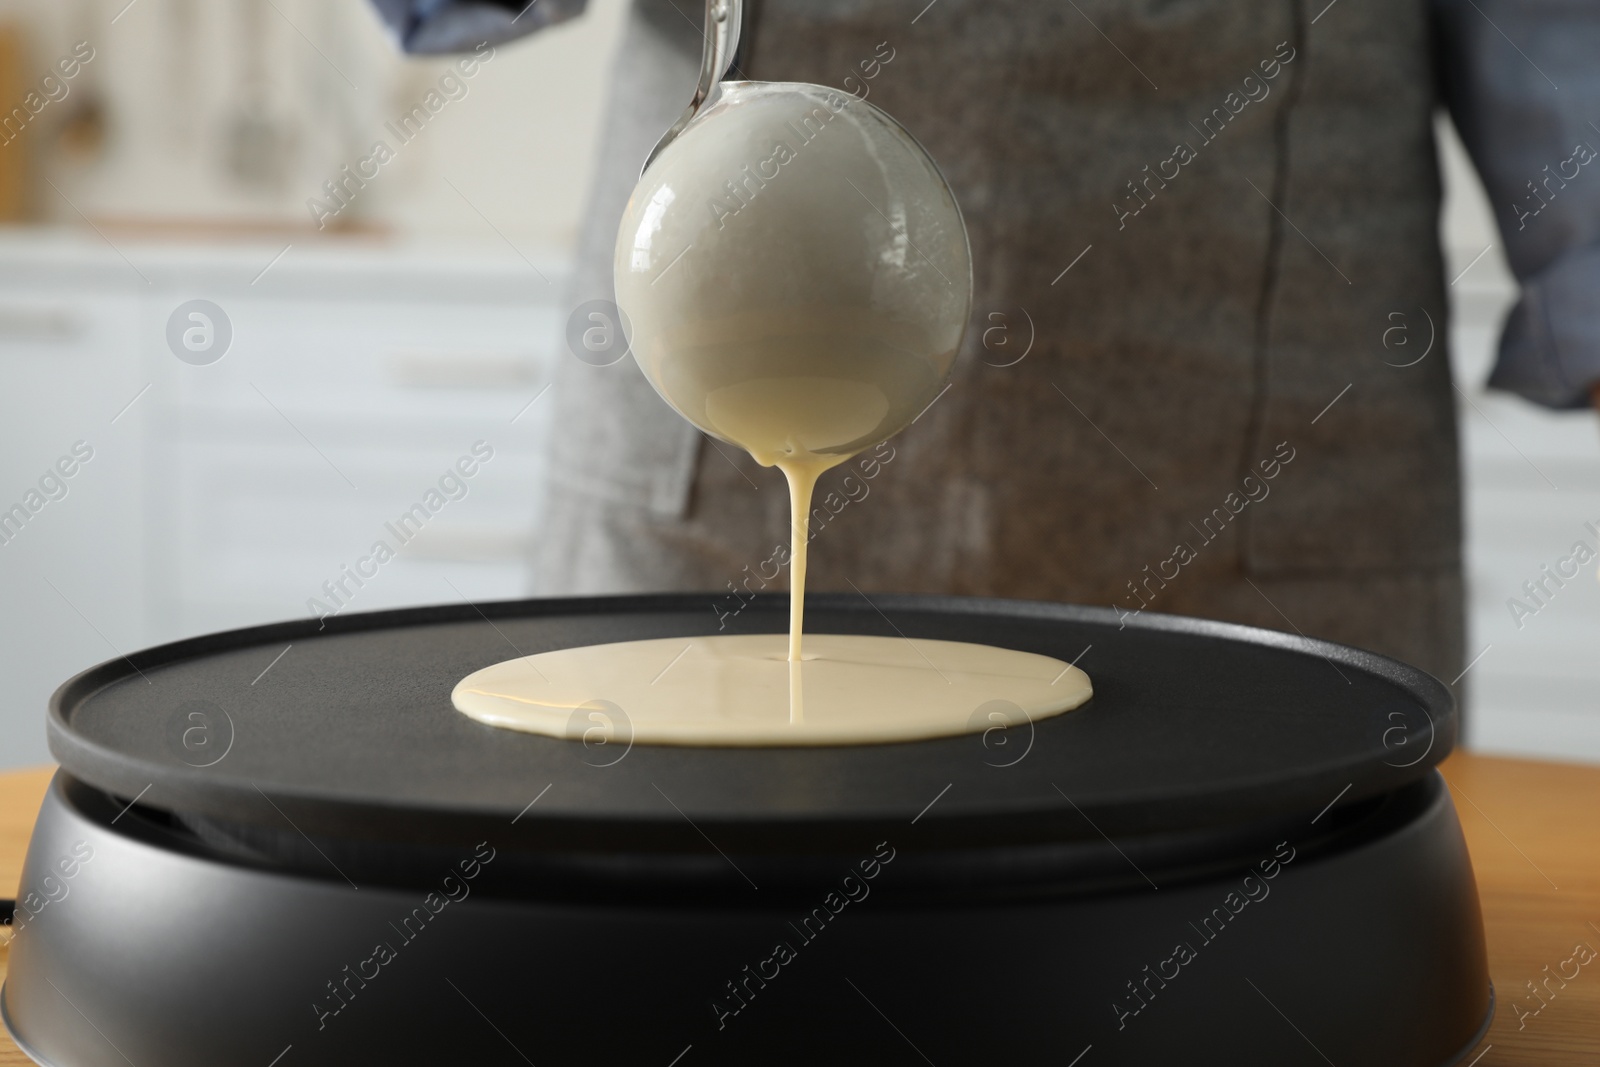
(349,730)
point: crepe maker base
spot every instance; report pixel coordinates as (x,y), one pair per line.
(1237,852)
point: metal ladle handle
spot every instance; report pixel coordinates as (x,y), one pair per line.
(723,36)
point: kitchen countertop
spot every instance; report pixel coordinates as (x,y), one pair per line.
(84,264)
(1531,827)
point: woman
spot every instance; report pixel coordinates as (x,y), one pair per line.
(1206,270)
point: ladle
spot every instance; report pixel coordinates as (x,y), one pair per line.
(724,36)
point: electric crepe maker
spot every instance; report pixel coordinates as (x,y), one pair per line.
(283,846)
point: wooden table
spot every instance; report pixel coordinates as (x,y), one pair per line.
(1534,832)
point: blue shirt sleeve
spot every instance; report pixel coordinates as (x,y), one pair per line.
(1522,81)
(436,27)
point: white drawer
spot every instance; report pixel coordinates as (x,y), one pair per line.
(413,365)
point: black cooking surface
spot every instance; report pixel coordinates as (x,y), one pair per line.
(351,731)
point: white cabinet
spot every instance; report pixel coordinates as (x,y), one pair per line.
(71,565)
(329,419)
(227,494)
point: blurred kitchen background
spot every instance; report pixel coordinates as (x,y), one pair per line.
(364,358)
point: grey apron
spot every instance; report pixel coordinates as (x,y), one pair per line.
(1209,226)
